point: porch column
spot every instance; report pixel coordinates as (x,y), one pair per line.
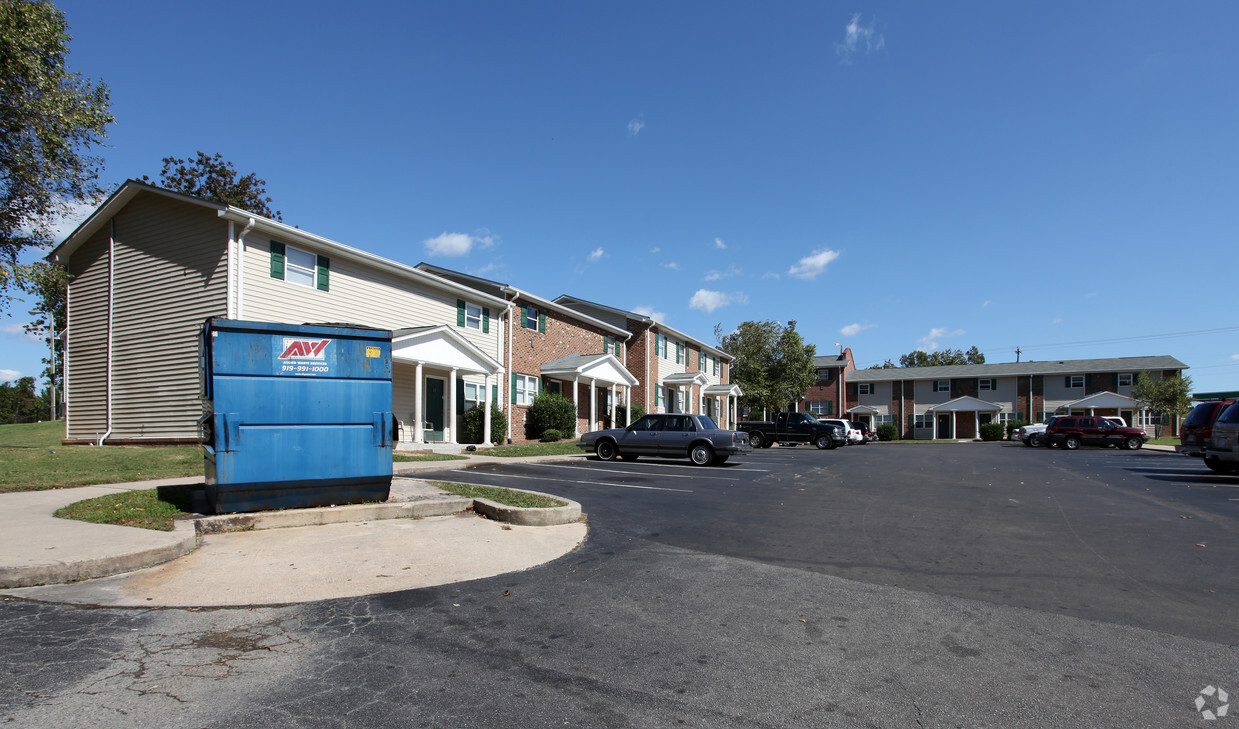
(613,404)
(933,417)
(576,405)
(976,424)
(628,403)
(954,426)
(593,405)
(450,435)
(486,406)
(419,432)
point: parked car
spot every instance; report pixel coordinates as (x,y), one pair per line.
(854,435)
(669,435)
(867,436)
(1073,431)
(1222,448)
(1197,429)
(1033,434)
(791,429)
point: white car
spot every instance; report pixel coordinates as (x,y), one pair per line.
(1033,434)
(855,435)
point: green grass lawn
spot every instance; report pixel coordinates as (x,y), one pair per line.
(418,457)
(563,447)
(149,509)
(507,497)
(32,459)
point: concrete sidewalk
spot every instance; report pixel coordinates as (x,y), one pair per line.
(421,536)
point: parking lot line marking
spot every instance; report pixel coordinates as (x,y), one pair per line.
(726,469)
(568,480)
(641,473)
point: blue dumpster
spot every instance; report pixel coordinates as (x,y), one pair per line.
(295,416)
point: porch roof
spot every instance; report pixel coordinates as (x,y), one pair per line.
(967,404)
(602,367)
(441,347)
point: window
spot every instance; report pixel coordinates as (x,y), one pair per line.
(1125,379)
(825,374)
(1006,418)
(924,420)
(473,395)
(864,388)
(716,366)
(660,346)
(533,319)
(660,396)
(821,407)
(701,361)
(987,384)
(524,389)
(610,345)
(1074,381)
(300,267)
(942,385)
(472,316)
(883,420)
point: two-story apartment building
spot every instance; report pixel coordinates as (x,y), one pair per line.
(149,266)
(826,397)
(553,348)
(954,401)
(677,373)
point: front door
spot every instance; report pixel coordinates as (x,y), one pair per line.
(944,426)
(433,406)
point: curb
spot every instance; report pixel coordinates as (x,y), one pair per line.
(89,569)
(328,515)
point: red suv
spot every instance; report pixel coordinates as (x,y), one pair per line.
(1198,427)
(1073,431)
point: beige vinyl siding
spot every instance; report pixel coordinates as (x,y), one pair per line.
(359,294)
(171,275)
(86,379)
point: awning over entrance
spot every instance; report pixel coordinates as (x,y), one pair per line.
(728,396)
(684,379)
(1102,401)
(596,369)
(442,355)
(952,408)
(966,404)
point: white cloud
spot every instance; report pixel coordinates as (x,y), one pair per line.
(718,243)
(673,266)
(771,274)
(852,330)
(636,125)
(656,250)
(15,330)
(707,301)
(595,255)
(812,265)
(1234,356)
(9,375)
(716,275)
(456,244)
(929,342)
(650,312)
(858,38)
(986,304)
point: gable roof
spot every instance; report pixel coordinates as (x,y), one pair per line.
(1058,367)
(132,188)
(575,302)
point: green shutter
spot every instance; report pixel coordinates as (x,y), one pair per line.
(525,316)
(513,388)
(485,320)
(460,312)
(277,260)
(542,321)
(678,354)
(494,393)
(323,271)
(606,344)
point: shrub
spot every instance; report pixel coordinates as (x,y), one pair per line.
(1014,425)
(551,412)
(992,431)
(473,421)
(621,415)
(550,435)
(886,431)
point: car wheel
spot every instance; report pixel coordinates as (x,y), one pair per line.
(701,455)
(1133,443)
(767,444)
(1027,441)
(1071,442)
(1036,440)
(627,457)
(606,450)
(756,440)
(824,442)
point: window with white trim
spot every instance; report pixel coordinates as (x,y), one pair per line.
(924,420)
(1125,379)
(942,385)
(987,383)
(864,388)
(821,407)
(473,316)
(660,396)
(524,389)
(1006,418)
(1076,381)
(298,267)
(882,420)
(473,395)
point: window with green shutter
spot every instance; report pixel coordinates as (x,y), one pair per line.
(679,354)
(277,260)
(323,271)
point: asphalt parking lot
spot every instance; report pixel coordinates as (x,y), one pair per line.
(1141,538)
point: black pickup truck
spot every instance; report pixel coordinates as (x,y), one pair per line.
(791,429)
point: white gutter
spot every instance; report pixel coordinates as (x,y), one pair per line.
(507,396)
(111,303)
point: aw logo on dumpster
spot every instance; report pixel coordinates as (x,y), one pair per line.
(304,357)
(304,348)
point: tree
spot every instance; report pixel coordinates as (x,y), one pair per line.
(215,179)
(773,366)
(1165,396)
(920,358)
(50,118)
(19,403)
(48,282)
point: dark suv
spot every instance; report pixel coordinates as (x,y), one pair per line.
(1198,427)
(1073,431)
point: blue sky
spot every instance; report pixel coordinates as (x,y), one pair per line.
(1058,177)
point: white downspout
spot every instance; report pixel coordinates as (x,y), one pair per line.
(108,356)
(507,384)
(241,269)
